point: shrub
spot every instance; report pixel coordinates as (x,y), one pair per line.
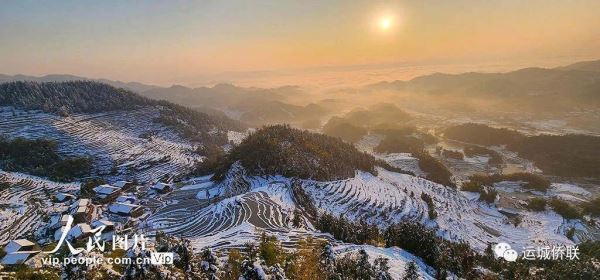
(471,186)
(488,194)
(537,204)
(494,157)
(565,209)
(570,233)
(430,206)
(453,154)
(532,181)
(592,207)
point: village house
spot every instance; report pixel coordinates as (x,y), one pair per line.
(125,209)
(107,191)
(64,197)
(162,187)
(18,251)
(126,199)
(82,211)
(109,228)
(80,231)
(122,184)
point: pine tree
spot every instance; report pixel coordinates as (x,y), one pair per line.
(327,262)
(382,268)
(365,270)
(233,266)
(297,220)
(210,264)
(306,261)
(253,269)
(276,273)
(411,272)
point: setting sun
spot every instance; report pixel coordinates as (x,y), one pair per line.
(385,23)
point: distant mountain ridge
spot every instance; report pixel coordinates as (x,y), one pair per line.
(536,89)
(254,106)
(133,86)
(592,65)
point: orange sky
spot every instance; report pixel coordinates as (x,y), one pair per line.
(299,42)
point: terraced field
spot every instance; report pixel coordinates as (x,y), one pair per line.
(387,198)
(237,217)
(392,197)
(128,142)
(25,204)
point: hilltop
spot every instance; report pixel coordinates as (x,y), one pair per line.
(282,150)
(66,98)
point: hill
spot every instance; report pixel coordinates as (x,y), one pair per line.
(253,106)
(65,98)
(593,66)
(564,155)
(482,134)
(529,89)
(133,86)
(281,150)
(68,97)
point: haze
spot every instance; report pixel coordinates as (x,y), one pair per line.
(269,43)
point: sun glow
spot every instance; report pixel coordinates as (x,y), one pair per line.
(385,23)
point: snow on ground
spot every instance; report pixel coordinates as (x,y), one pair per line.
(398,259)
(387,198)
(383,199)
(368,142)
(25,203)
(236,137)
(404,161)
(129,140)
(568,188)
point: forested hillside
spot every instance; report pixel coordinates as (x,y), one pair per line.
(66,98)
(39,157)
(564,155)
(291,152)
(482,134)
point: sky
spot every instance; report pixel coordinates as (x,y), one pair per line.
(272,42)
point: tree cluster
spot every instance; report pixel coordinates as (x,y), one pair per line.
(532,181)
(436,171)
(290,152)
(562,155)
(453,154)
(446,256)
(65,98)
(482,134)
(537,204)
(565,209)
(39,157)
(494,157)
(571,155)
(430,205)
